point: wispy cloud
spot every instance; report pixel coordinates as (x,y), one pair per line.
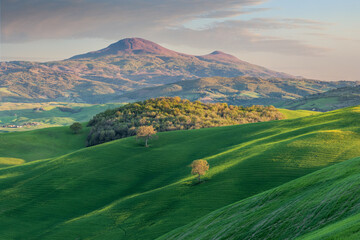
(156,19)
(232,13)
(38,19)
(239,35)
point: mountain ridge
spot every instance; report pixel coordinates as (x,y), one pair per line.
(140,46)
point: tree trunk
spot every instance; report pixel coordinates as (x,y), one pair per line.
(199,178)
(146,142)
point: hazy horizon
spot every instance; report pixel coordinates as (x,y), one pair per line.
(319,40)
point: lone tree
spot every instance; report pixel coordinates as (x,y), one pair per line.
(199,167)
(146,133)
(76,127)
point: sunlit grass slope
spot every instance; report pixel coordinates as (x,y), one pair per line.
(122,190)
(333,99)
(348,228)
(19,147)
(291,114)
(328,196)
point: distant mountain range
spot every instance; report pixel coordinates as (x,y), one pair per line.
(132,64)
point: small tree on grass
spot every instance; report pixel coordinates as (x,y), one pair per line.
(199,167)
(76,127)
(146,133)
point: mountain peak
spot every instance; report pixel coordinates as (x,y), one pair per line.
(217,53)
(220,56)
(138,44)
(130,46)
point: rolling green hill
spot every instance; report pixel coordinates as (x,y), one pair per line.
(122,190)
(327,101)
(21,147)
(243,90)
(348,228)
(327,201)
(47,114)
(291,114)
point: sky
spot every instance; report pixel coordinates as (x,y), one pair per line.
(318,39)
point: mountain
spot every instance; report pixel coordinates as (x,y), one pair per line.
(127,65)
(62,81)
(122,190)
(130,46)
(238,90)
(333,99)
(149,56)
(220,56)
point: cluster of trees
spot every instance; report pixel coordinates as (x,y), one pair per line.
(168,114)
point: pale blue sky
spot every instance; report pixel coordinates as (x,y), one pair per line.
(312,38)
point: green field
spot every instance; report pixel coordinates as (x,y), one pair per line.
(291,114)
(50,115)
(329,197)
(348,228)
(122,190)
(24,146)
(317,104)
(326,101)
(20,147)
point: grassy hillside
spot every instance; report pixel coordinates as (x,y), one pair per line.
(348,228)
(20,147)
(328,197)
(242,90)
(327,101)
(291,114)
(48,114)
(122,190)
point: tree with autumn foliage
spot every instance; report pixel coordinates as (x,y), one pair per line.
(199,167)
(146,133)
